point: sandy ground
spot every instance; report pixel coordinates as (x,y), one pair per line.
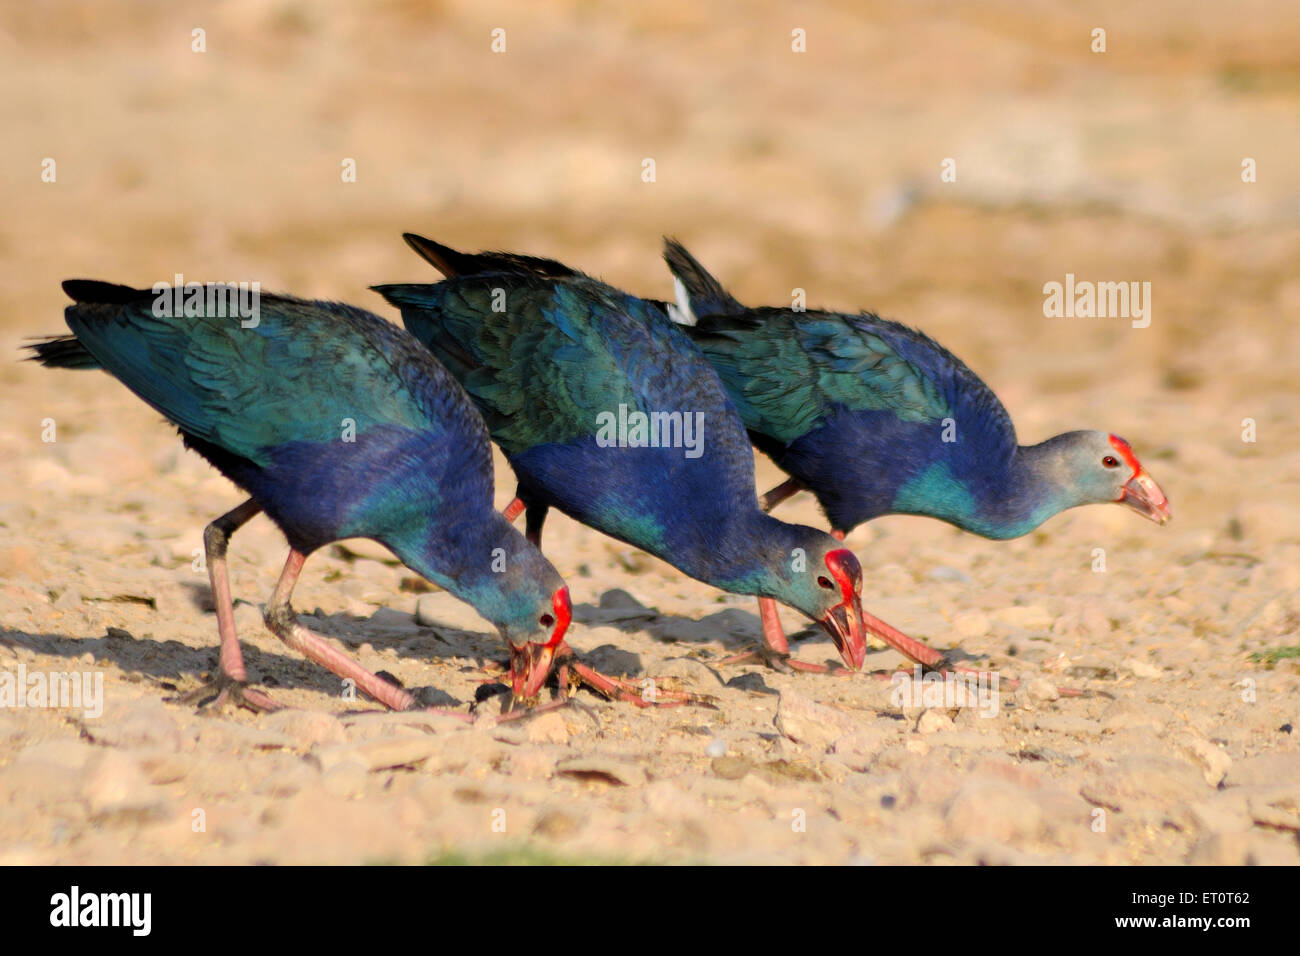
(819,171)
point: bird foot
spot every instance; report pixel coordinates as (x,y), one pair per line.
(933,661)
(643,692)
(1013,684)
(570,674)
(445,712)
(981,675)
(511,709)
(782,662)
(224,690)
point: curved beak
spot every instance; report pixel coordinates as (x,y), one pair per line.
(529,666)
(844,623)
(1145,497)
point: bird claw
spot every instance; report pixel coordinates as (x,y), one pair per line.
(572,674)
(445,712)
(943,668)
(782,662)
(509,712)
(224,690)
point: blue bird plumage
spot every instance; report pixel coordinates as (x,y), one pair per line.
(871,416)
(338,424)
(877,418)
(547,354)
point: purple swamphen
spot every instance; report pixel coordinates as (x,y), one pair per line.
(337,424)
(908,427)
(553,359)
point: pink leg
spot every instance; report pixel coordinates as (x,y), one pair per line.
(775,642)
(572,673)
(231,683)
(533,522)
(911,649)
(928,657)
(784,490)
(775,649)
(773,634)
(283,623)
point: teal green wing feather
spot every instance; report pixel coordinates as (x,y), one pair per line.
(787,371)
(298,374)
(545,367)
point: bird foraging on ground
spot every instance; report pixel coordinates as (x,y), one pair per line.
(909,427)
(559,364)
(337,424)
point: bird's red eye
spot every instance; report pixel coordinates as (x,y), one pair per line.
(546,620)
(825,582)
(1110,461)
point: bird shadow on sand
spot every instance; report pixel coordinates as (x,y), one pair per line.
(169,665)
(177,667)
(735,628)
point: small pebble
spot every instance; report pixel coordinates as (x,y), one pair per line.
(933,721)
(945,573)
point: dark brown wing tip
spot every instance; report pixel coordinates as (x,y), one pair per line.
(437,255)
(94,291)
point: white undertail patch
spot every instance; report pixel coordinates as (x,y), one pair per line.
(681,313)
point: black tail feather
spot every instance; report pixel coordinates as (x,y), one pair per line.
(65,351)
(107,293)
(61,351)
(452,263)
(707,295)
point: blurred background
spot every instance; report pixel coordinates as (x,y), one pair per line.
(527,127)
(819,170)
